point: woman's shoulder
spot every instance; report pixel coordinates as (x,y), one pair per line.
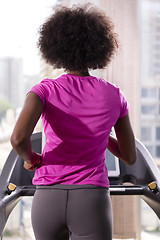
(110,87)
(48,82)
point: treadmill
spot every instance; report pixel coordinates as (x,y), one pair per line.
(142,178)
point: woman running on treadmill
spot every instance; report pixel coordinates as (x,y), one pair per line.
(78,111)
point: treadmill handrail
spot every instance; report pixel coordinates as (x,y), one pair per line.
(149,160)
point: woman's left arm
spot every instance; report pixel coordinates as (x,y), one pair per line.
(20,138)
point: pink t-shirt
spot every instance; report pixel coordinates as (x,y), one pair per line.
(78,115)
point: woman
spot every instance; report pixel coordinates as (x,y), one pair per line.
(78,111)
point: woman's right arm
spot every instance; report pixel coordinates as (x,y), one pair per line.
(124,146)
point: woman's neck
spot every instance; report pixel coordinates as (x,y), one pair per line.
(79,73)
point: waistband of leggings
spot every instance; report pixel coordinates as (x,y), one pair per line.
(70,186)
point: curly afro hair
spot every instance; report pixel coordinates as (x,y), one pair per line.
(77,39)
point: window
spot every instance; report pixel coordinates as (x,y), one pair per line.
(145,133)
(150,149)
(158,151)
(157,133)
(159,93)
(152,92)
(149,109)
(144,92)
(148,92)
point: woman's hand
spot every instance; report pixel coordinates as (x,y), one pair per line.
(32,165)
(124,146)
(28,166)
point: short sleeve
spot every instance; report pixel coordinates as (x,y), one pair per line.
(124,105)
(41,90)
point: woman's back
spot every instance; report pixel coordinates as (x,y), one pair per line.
(78,117)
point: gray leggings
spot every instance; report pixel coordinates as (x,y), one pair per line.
(63,212)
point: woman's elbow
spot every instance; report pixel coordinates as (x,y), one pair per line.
(16,141)
(132,158)
(131,161)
